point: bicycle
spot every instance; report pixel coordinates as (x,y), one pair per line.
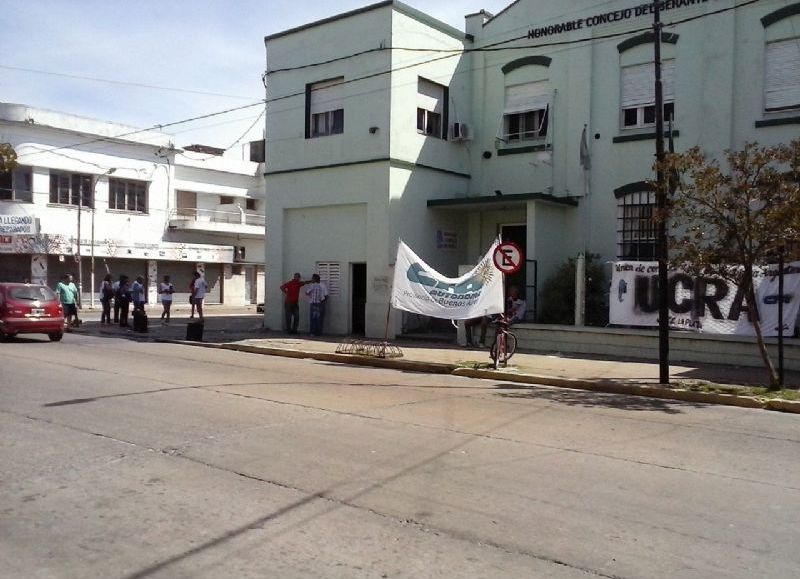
(504,345)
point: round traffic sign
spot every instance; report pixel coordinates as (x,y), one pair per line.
(508,257)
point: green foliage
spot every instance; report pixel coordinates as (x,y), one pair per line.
(558,294)
(728,218)
(8,158)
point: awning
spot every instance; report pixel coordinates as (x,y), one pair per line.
(501,201)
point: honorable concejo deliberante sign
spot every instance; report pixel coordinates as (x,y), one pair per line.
(608,17)
(420,289)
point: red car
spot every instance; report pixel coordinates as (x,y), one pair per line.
(30,309)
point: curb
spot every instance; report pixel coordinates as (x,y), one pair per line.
(603,386)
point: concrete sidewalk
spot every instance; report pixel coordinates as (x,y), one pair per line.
(240,329)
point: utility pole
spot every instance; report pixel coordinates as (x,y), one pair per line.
(78,254)
(661,204)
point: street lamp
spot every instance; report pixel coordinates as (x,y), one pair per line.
(94,201)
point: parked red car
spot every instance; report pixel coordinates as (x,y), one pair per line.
(30,309)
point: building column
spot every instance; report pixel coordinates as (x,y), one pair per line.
(152,281)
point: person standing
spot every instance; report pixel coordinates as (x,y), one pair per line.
(291,307)
(67,295)
(137,293)
(200,289)
(191,295)
(317,294)
(106,295)
(117,303)
(166,289)
(123,298)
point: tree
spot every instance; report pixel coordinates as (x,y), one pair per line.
(728,220)
(558,294)
(8,158)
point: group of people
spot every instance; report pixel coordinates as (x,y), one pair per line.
(515,313)
(123,292)
(317,293)
(120,295)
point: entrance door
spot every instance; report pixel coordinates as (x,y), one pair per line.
(358,285)
(518,234)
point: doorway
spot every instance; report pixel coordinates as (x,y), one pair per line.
(358,298)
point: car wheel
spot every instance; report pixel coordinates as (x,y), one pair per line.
(55,336)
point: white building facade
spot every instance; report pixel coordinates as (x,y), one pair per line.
(537,124)
(138,205)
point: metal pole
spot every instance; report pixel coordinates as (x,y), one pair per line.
(780,315)
(91,269)
(80,265)
(661,204)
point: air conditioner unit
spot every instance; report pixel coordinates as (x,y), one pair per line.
(461,132)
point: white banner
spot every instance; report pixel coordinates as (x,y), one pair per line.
(421,290)
(704,304)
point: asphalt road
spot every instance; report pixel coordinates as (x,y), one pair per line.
(122,459)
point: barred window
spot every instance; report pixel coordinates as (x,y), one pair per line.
(71,189)
(127,195)
(636,227)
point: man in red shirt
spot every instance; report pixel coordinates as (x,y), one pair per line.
(291,309)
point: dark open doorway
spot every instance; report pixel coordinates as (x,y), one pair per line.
(358,276)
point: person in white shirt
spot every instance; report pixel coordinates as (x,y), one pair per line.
(200,288)
(166,289)
(516,306)
(317,294)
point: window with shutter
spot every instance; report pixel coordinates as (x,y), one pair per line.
(526,113)
(431,105)
(325,102)
(638,94)
(330,273)
(782,75)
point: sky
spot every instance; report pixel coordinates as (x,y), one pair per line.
(197,46)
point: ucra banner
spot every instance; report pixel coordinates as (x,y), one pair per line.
(703,304)
(420,289)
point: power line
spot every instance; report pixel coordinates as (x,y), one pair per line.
(490,48)
(125,82)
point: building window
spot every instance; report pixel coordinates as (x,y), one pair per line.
(226,200)
(17,185)
(639,95)
(527,111)
(782,75)
(250,204)
(126,195)
(636,233)
(325,104)
(71,189)
(257,154)
(330,273)
(431,109)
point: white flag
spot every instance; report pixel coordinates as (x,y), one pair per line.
(421,290)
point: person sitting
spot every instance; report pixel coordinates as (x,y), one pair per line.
(483,322)
(515,306)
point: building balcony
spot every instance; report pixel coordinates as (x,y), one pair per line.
(239,223)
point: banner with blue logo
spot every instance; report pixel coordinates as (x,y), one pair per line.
(420,289)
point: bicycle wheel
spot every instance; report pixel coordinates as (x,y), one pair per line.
(504,346)
(511,346)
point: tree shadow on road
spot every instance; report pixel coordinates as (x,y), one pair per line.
(589,399)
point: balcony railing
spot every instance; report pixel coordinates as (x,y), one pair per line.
(192,214)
